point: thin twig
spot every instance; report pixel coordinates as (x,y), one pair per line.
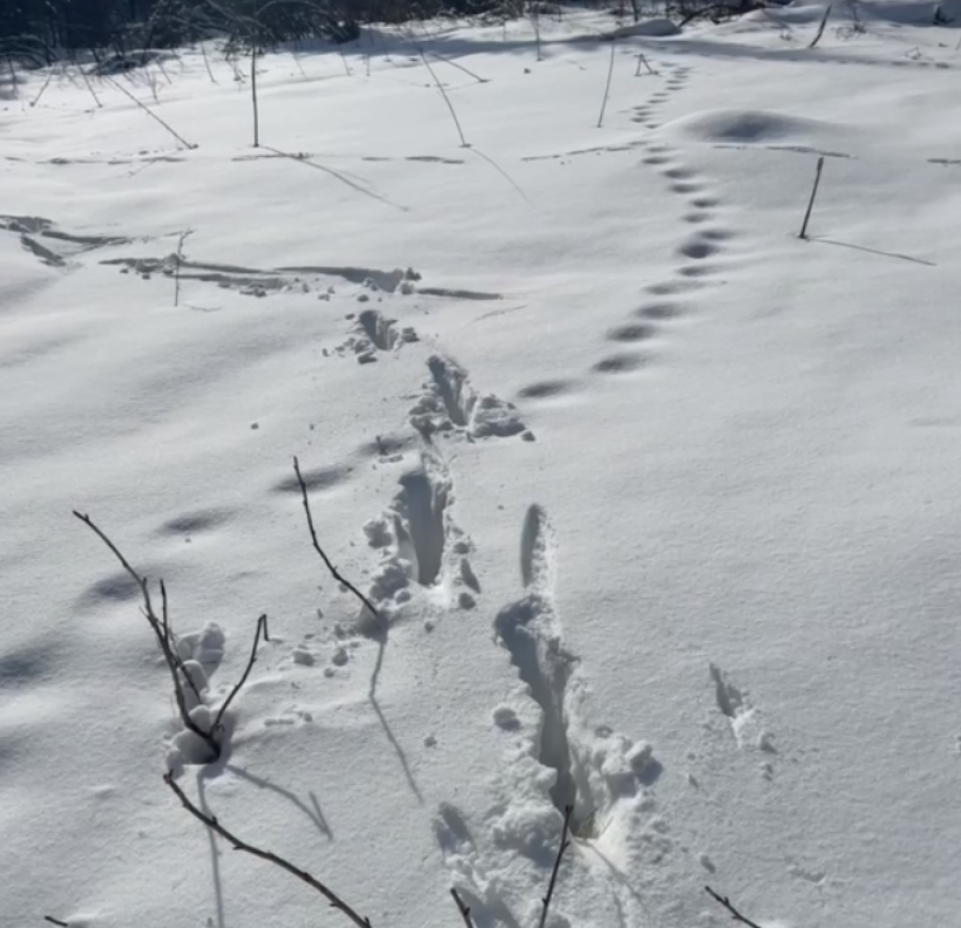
(462,908)
(327,563)
(86,80)
(179,262)
(737,916)
(820,32)
(814,193)
(55,921)
(568,811)
(607,88)
(460,67)
(253,91)
(151,113)
(642,60)
(164,638)
(211,822)
(203,51)
(46,84)
(450,105)
(261,630)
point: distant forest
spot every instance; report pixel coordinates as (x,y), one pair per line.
(39,31)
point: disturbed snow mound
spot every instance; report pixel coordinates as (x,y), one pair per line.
(747,126)
(649,27)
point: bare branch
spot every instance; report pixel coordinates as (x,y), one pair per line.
(211,822)
(820,32)
(327,563)
(607,88)
(55,921)
(462,908)
(179,259)
(261,630)
(165,638)
(447,100)
(151,113)
(814,192)
(737,916)
(568,811)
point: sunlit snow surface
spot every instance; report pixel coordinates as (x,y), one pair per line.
(660,505)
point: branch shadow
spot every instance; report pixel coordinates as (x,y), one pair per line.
(873,251)
(315,814)
(381,638)
(203,774)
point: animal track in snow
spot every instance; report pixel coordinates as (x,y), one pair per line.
(594,768)
(659,311)
(418,541)
(543,389)
(450,404)
(58,246)
(745,720)
(315,479)
(622,363)
(375,333)
(632,332)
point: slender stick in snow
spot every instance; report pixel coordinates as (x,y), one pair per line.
(93,93)
(607,88)
(320,551)
(568,811)
(179,261)
(165,638)
(152,114)
(814,193)
(46,84)
(462,908)
(203,51)
(642,60)
(450,105)
(253,92)
(737,916)
(261,631)
(820,32)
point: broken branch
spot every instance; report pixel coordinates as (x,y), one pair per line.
(211,822)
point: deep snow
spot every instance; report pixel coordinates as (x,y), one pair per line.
(661,504)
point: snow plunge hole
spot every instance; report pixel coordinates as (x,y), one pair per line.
(380,331)
(545,667)
(421,534)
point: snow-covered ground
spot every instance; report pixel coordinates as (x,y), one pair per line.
(661,504)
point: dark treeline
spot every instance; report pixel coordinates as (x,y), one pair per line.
(39,31)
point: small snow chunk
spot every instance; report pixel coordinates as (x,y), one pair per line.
(328,671)
(765,742)
(201,717)
(428,626)
(506,718)
(303,657)
(527,435)
(254,426)
(378,532)
(640,756)
(466,601)
(430,741)
(340,657)
(363,297)
(707,863)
